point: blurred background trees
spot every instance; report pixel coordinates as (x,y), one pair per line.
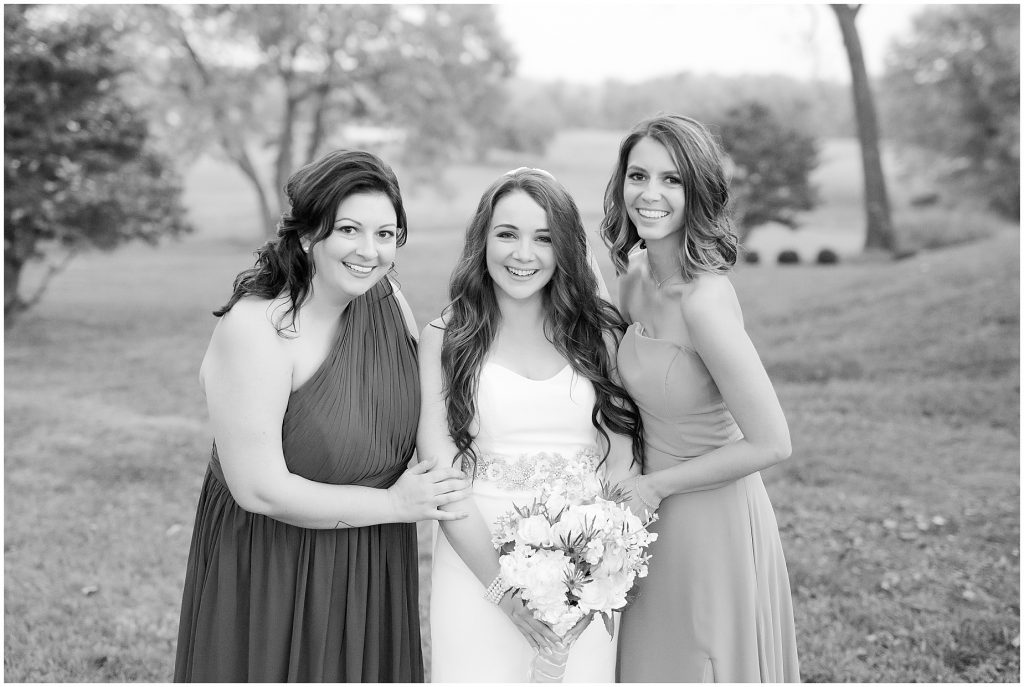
(284,81)
(951,95)
(772,165)
(80,169)
(107,104)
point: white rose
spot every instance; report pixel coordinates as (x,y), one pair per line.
(612,560)
(594,551)
(577,519)
(534,530)
(603,594)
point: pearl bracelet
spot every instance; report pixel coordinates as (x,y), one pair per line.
(496,590)
(636,490)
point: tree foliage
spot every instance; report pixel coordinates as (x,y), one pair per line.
(79,172)
(820,108)
(528,121)
(772,164)
(953,88)
(283,81)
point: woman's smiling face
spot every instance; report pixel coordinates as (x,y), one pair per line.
(360,249)
(520,257)
(653,191)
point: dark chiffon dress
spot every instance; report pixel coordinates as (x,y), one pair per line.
(265,601)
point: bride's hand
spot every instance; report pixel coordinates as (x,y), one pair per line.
(577,629)
(537,633)
(637,499)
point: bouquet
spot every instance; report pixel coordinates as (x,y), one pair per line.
(572,553)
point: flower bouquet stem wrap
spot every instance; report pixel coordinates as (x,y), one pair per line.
(569,554)
(549,667)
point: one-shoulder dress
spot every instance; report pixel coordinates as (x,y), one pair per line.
(716,605)
(265,601)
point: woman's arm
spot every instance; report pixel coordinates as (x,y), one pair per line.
(715,325)
(470,537)
(620,468)
(247,377)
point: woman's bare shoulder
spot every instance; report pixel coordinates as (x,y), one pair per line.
(245,335)
(432,336)
(709,296)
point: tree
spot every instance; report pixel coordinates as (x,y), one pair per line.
(876,198)
(79,172)
(283,79)
(772,165)
(953,88)
(528,121)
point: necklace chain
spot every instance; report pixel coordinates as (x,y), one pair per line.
(654,273)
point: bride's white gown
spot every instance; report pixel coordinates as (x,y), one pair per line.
(528,430)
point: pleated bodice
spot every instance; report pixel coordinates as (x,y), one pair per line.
(354,421)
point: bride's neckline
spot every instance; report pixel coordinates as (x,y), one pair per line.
(524,377)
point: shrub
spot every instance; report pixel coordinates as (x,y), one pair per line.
(939,226)
(789,257)
(751,257)
(827,256)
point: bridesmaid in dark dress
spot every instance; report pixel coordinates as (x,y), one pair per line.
(303,563)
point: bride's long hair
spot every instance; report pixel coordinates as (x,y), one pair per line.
(578,322)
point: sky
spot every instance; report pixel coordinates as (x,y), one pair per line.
(588,42)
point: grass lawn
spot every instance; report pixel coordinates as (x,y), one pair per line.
(899,509)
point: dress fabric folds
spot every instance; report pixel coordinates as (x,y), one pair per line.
(265,601)
(531,432)
(716,605)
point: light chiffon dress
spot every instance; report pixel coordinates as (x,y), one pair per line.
(716,605)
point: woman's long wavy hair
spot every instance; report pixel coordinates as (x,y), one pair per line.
(708,242)
(314,194)
(578,321)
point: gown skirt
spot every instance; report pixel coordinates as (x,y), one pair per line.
(716,604)
(529,433)
(265,601)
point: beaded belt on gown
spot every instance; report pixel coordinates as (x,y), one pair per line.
(530,471)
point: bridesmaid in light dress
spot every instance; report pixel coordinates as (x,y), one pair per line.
(716,606)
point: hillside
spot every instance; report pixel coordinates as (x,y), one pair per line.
(899,509)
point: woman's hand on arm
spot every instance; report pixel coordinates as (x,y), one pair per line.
(469,537)
(247,377)
(715,327)
(622,470)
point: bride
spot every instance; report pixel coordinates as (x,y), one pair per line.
(518,382)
